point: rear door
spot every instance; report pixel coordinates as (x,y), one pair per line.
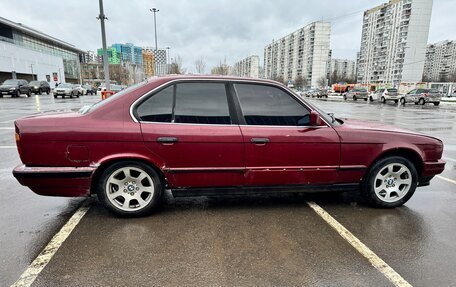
(189,126)
(280,146)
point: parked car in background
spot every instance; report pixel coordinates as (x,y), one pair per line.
(384,95)
(15,87)
(80,88)
(321,93)
(357,93)
(66,90)
(39,87)
(100,89)
(422,96)
(201,135)
(115,88)
(89,89)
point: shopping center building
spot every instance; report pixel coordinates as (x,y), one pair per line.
(26,53)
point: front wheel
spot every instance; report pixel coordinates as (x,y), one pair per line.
(29,93)
(390,182)
(355,98)
(436,103)
(402,101)
(421,101)
(383,100)
(371,99)
(130,189)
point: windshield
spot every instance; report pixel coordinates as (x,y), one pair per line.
(111,98)
(10,82)
(65,86)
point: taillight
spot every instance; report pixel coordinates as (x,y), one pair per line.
(426,95)
(17,136)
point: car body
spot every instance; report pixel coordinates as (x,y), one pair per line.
(422,96)
(357,93)
(89,89)
(385,95)
(15,87)
(80,88)
(39,87)
(200,135)
(66,89)
(321,93)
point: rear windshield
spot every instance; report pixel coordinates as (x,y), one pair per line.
(111,98)
(360,90)
(392,90)
(65,86)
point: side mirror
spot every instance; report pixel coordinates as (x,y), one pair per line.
(315,119)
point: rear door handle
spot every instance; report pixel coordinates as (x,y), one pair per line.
(167,140)
(259,140)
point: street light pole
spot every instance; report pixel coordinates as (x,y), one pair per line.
(167,62)
(31,67)
(155,10)
(102,18)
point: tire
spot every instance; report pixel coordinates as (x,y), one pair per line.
(396,101)
(1,96)
(421,101)
(355,98)
(383,100)
(365,99)
(48,91)
(115,188)
(40,92)
(371,99)
(71,95)
(403,101)
(55,96)
(77,95)
(345,97)
(380,186)
(18,94)
(29,93)
(437,103)
(63,96)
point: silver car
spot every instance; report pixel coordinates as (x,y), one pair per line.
(66,90)
(422,96)
(384,95)
(357,93)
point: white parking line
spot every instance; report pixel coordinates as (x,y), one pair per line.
(7,146)
(6,128)
(446,179)
(48,252)
(376,261)
(449,159)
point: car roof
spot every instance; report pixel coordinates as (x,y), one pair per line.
(169,78)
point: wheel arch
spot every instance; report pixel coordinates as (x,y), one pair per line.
(408,153)
(104,164)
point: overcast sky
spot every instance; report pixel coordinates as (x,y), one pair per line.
(212,29)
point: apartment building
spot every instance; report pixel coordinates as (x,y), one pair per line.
(160,56)
(440,64)
(248,67)
(343,68)
(113,56)
(304,52)
(393,42)
(148,63)
(129,53)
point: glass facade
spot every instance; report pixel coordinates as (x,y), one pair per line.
(70,58)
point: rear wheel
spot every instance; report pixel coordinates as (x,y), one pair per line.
(48,91)
(436,103)
(396,101)
(383,100)
(355,98)
(402,101)
(40,92)
(371,99)
(390,182)
(29,93)
(130,189)
(18,94)
(421,101)
(71,95)
(345,97)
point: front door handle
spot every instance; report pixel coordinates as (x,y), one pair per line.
(259,140)
(166,140)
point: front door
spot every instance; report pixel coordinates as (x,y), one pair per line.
(280,146)
(190,128)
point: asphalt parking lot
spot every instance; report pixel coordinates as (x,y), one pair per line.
(241,241)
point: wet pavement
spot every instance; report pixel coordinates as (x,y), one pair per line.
(240,241)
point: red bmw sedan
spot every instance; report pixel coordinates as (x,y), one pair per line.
(200,135)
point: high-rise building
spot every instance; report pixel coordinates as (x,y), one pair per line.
(160,60)
(303,53)
(393,42)
(129,53)
(113,57)
(248,67)
(343,68)
(89,57)
(148,63)
(440,64)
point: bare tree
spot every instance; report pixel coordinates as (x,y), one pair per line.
(221,69)
(321,82)
(200,65)
(300,82)
(176,66)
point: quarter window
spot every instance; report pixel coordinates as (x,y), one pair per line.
(201,103)
(266,105)
(157,108)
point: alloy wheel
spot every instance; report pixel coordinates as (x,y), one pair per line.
(392,182)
